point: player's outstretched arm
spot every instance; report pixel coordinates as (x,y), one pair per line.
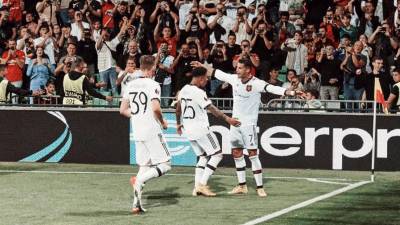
(210,69)
(217,113)
(124,109)
(178,112)
(155,104)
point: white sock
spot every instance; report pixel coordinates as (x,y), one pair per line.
(153,172)
(257,170)
(211,167)
(201,164)
(240,164)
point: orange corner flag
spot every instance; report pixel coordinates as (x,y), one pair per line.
(379,98)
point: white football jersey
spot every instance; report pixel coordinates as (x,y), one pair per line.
(140,92)
(128,78)
(247,96)
(194,114)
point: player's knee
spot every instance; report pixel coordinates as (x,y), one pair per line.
(253,152)
(237,153)
(164,167)
(201,163)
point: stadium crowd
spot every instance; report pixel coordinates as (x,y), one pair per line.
(325,47)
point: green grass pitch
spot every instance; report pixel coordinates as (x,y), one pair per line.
(54,197)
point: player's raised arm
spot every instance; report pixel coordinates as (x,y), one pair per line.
(217,113)
(211,72)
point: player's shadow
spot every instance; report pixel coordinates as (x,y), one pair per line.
(166,197)
(100,213)
(217,185)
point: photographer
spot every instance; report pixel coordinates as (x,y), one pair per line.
(353,67)
(329,68)
(167,36)
(380,40)
(219,60)
(331,25)
(195,25)
(283,27)
(164,71)
(245,54)
(220,25)
(261,44)
(165,16)
(78,26)
(297,53)
(47,41)
(242,28)
(182,68)
(47,10)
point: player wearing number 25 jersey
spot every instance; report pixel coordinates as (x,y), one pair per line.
(191,115)
(141,103)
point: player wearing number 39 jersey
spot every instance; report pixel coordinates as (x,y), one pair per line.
(247,91)
(192,120)
(141,103)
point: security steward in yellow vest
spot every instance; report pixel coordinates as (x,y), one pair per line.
(76,86)
(6,88)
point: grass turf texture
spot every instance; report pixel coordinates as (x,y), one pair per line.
(45,198)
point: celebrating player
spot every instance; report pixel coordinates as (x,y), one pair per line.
(192,109)
(247,91)
(141,103)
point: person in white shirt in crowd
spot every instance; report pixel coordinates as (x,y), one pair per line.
(78,25)
(128,74)
(220,24)
(47,41)
(192,121)
(247,91)
(297,53)
(242,27)
(105,61)
(164,61)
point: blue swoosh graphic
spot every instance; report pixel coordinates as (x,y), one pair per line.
(42,153)
(60,154)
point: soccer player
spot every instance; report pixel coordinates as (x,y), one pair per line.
(247,91)
(141,103)
(191,110)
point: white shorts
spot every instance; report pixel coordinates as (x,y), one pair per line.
(206,145)
(152,152)
(244,137)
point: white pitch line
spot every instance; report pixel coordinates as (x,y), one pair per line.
(306,203)
(327,182)
(312,179)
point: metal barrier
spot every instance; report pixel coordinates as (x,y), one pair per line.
(282,105)
(302,105)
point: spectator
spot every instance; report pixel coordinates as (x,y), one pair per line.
(167,37)
(322,40)
(219,59)
(312,101)
(273,79)
(195,25)
(14,60)
(47,41)
(78,26)
(394,100)
(14,7)
(262,45)
(380,40)
(182,68)
(329,68)
(30,23)
(245,54)
(384,78)
(47,11)
(348,29)
(220,25)
(367,51)
(297,53)
(312,80)
(289,76)
(120,14)
(92,9)
(241,27)
(105,60)
(128,74)
(48,97)
(232,49)
(39,71)
(132,53)
(107,10)
(353,66)
(87,50)
(164,71)
(331,23)
(165,17)
(8,30)
(283,27)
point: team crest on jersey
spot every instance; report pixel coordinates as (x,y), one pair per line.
(248,88)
